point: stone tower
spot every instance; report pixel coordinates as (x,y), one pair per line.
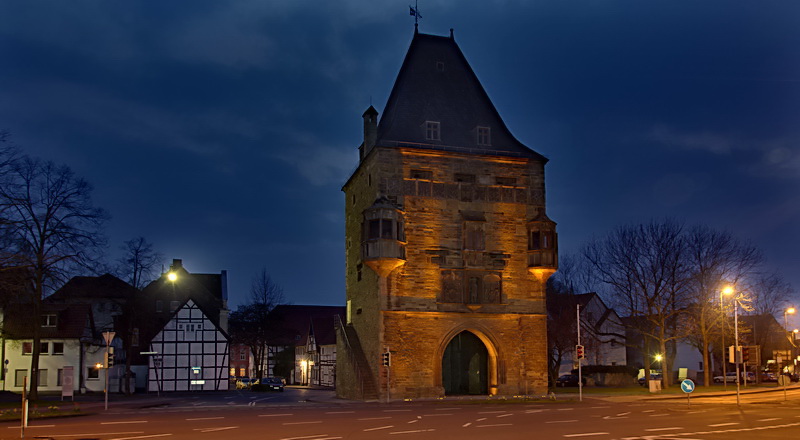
(448,246)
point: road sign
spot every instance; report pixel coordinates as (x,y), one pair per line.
(687,386)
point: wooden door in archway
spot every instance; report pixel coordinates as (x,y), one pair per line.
(465,365)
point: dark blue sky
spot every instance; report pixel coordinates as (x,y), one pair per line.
(223,131)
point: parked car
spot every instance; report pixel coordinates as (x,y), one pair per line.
(653,376)
(272,383)
(731,375)
(767,376)
(569,380)
(245,383)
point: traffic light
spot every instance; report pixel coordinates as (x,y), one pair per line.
(745,353)
(579,352)
(386,358)
(110,362)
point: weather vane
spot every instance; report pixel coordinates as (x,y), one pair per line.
(414,11)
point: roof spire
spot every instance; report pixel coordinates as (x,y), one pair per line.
(414,11)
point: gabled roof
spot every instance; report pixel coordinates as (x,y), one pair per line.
(73,321)
(436,83)
(324,330)
(103,287)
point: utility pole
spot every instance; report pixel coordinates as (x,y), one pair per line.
(577,355)
(108,336)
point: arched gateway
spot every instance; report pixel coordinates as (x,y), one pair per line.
(465,365)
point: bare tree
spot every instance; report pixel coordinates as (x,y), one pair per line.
(644,268)
(138,265)
(53,229)
(771,294)
(714,258)
(250,324)
(561,325)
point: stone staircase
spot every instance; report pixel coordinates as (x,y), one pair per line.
(366,380)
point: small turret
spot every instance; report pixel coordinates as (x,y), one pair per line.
(370,131)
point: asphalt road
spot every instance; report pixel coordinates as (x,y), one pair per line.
(300,414)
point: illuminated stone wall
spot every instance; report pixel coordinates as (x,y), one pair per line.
(500,301)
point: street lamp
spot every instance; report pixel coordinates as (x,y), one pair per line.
(786,313)
(727,290)
(172,276)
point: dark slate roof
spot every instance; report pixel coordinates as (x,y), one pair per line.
(290,324)
(73,321)
(436,83)
(103,287)
(324,330)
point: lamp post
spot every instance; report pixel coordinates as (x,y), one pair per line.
(786,313)
(727,290)
(736,345)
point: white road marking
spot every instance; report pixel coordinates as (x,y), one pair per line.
(141,436)
(123,422)
(561,421)
(494,425)
(531,411)
(658,415)
(649,411)
(412,432)
(505,415)
(414,421)
(481,419)
(274,415)
(436,415)
(769,420)
(716,425)
(317,436)
(91,434)
(445,409)
(599,407)
(671,428)
(222,428)
(32,426)
(585,434)
(396,410)
(565,409)
(491,412)
(379,427)
(466,424)
(204,418)
(375,418)
(302,423)
(340,412)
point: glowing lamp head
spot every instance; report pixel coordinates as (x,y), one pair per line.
(172,276)
(98,365)
(727,290)
(659,357)
(790,311)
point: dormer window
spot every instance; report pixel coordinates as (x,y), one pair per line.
(49,320)
(432,131)
(484,136)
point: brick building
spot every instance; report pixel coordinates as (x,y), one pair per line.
(448,246)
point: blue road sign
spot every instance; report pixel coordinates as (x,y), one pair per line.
(687,386)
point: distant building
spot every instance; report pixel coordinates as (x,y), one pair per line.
(294,332)
(241,363)
(448,245)
(182,325)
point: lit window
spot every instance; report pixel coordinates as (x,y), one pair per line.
(49,320)
(432,131)
(484,136)
(242,372)
(233,372)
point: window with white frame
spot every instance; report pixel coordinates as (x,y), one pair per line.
(49,320)
(432,131)
(58,348)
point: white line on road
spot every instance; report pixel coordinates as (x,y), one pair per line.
(413,432)
(481,419)
(91,434)
(494,425)
(445,409)
(491,412)
(565,409)
(561,421)
(141,436)
(599,407)
(716,425)
(340,412)
(531,411)
(671,428)
(274,415)
(649,411)
(505,415)
(317,436)
(466,424)
(414,421)
(379,427)
(32,426)
(585,434)
(396,410)
(658,415)
(302,423)
(436,415)
(769,420)
(123,422)
(375,418)
(222,428)
(204,418)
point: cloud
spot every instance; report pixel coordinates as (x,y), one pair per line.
(317,163)
(707,141)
